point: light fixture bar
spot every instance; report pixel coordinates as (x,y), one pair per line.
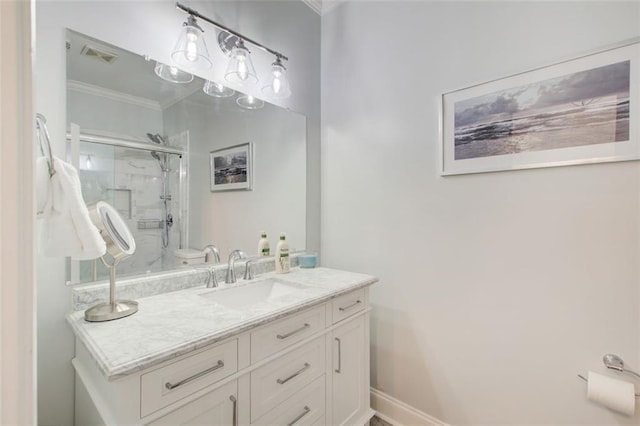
(197,14)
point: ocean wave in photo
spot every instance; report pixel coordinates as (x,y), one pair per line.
(595,121)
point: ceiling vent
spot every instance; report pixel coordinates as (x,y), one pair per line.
(99,54)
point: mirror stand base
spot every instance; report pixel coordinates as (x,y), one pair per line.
(111,311)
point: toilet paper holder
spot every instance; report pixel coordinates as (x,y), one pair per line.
(614,362)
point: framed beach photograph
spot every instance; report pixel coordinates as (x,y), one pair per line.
(583,110)
(231,168)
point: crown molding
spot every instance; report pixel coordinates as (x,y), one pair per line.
(90,89)
(315,5)
(329,5)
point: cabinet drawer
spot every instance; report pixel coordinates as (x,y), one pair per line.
(175,381)
(346,305)
(306,407)
(217,408)
(277,336)
(282,378)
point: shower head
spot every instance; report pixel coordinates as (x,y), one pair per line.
(154,139)
(160,139)
(162,160)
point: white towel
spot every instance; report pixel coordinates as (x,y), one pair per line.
(67,228)
(43,185)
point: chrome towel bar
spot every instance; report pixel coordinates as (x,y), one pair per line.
(44,142)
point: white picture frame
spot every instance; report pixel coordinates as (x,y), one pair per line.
(572,112)
(231,168)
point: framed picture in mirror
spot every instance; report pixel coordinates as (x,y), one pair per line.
(232,168)
(579,111)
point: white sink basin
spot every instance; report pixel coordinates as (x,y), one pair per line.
(268,290)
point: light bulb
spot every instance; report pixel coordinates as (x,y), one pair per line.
(277,84)
(250,99)
(240,69)
(192,46)
(190,51)
(173,71)
(243,73)
(278,87)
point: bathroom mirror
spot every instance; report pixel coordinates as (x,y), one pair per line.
(142,144)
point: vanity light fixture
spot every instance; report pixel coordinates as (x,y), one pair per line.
(217,90)
(172,74)
(278,87)
(240,69)
(249,102)
(191,50)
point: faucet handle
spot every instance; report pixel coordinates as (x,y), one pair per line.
(212,280)
(248,270)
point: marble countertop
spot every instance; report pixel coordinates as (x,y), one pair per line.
(172,324)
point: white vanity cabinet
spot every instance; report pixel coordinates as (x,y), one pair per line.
(309,367)
(350,368)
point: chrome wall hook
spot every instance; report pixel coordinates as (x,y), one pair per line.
(614,362)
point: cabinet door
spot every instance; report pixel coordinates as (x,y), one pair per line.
(350,372)
(217,408)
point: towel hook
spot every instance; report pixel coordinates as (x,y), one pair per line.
(42,134)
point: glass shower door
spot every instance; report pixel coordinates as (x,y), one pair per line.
(145,187)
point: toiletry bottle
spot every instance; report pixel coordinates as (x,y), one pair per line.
(263,245)
(283,263)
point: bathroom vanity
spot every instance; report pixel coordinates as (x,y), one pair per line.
(288,349)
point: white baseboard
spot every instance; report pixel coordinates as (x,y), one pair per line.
(398,413)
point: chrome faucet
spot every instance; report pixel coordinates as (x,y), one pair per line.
(209,251)
(248,270)
(231,272)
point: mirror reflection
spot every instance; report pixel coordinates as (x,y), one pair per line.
(142,143)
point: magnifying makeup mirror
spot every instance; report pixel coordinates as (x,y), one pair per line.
(120,245)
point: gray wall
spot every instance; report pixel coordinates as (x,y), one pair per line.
(496,289)
(152,27)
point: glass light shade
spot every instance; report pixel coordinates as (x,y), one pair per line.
(172,74)
(278,86)
(191,50)
(240,69)
(217,90)
(249,102)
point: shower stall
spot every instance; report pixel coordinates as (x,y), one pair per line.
(146,181)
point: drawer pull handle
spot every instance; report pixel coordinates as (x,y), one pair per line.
(346,308)
(172,386)
(337,370)
(307,410)
(291,333)
(235,410)
(283,381)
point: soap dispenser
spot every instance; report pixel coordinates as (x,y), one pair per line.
(263,245)
(283,262)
